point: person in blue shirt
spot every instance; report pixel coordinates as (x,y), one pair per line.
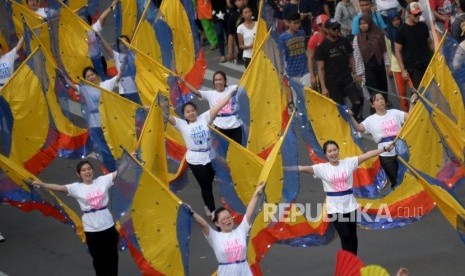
(366,8)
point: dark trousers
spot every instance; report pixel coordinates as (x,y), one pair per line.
(221,33)
(204,174)
(350,90)
(416,75)
(391,167)
(103,247)
(234,133)
(346,227)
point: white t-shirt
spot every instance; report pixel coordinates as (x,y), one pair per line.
(92,99)
(197,138)
(338,179)
(93,196)
(385,126)
(126,85)
(248,35)
(382,5)
(7,66)
(231,247)
(41,12)
(226,117)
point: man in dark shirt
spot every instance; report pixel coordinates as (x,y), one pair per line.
(335,62)
(413,46)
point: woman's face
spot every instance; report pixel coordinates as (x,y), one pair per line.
(332,153)
(247,14)
(219,82)
(190,113)
(32,5)
(86,173)
(90,76)
(225,221)
(396,22)
(363,26)
(379,103)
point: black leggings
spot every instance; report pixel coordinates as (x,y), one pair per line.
(233,133)
(204,174)
(391,167)
(103,247)
(346,227)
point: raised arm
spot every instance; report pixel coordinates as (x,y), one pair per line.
(51,187)
(221,103)
(105,13)
(19,44)
(204,226)
(253,203)
(372,153)
(189,86)
(106,47)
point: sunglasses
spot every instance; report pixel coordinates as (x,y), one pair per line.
(336,28)
(416,15)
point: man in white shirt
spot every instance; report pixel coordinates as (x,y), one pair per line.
(7,62)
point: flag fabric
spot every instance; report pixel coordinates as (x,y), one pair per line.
(126,18)
(29,136)
(449,205)
(443,84)
(74,43)
(259,92)
(106,114)
(16,191)
(153,220)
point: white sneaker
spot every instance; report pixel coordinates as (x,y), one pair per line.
(1,238)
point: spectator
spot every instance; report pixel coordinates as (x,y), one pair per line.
(443,11)
(246,35)
(220,20)
(366,8)
(335,61)
(371,57)
(204,14)
(233,22)
(458,25)
(413,46)
(385,6)
(315,40)
(293,52)
(345,13)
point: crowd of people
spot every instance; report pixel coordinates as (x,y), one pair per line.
(349,52)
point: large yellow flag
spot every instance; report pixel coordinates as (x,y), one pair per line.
(177,19)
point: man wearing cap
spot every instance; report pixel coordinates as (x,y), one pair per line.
(315,40)
(335,62)
(413,45)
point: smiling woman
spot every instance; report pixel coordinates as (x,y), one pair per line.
(229,244)
(99,227)
(337,177)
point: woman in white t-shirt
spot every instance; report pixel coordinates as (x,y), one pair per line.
(7,61)
(337,178)
(90,99)
(246,35)
(384,125)
(99,227)
(230,245)
(227,120)
(196,134)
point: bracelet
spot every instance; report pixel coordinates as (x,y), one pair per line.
(291,105)
(112,8)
